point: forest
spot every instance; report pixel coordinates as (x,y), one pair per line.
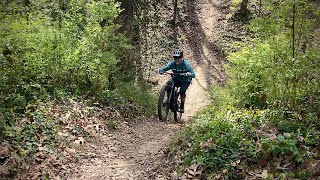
(78,85)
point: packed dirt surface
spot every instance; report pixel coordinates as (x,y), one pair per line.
(133,151)
(200,47)
(125,154)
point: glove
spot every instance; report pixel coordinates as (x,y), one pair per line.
(189,74)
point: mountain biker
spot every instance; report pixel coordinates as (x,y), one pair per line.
(180,65)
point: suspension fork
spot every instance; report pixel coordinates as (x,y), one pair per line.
(172,90)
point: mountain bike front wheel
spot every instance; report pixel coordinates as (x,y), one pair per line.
(177,115)
(164,103)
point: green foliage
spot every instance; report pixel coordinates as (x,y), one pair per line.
(72,45)
(111,98)
(232,138)
(265,73)
(2,125)
(112,124)
(282,146)
(40,132)
(139,93)
(234,5)
(269,109)
(218,141)
(130,98)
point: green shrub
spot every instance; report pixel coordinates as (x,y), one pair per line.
(131,98)
(230,138)
(218,141)
(57,46)
(40,131)
(265,73)
(282,146)
(139,93)
(269,108)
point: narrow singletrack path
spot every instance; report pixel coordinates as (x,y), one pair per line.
(130,152)
(125,154)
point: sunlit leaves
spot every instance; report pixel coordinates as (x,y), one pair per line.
(59,44)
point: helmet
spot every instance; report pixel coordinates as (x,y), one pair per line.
(177,53)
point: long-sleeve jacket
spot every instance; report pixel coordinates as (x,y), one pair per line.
(184,67)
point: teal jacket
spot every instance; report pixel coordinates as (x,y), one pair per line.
(184,67)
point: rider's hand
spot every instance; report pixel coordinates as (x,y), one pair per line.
(189,74)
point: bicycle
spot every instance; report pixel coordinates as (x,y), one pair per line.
(168,99)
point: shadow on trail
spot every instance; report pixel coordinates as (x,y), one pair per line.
(196,38)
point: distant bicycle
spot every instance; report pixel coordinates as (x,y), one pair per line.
(169,99)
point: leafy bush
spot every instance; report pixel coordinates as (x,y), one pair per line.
(73,45)
(265,72)
(239,138)
(139,93)
(218,141)
(40,132)
(130,98)
(267,115)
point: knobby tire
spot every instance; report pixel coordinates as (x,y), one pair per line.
(163,92)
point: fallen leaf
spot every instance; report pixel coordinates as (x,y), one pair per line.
(300,139)
(71,151)
(225,171)
(234,164)
(5,150)
(62,134)
(287,135)
(263,174)
(218,176)
(192,172)
(36,175)
(42,149)
(79,141)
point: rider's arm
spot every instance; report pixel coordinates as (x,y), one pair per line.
(167,67)
(189,69)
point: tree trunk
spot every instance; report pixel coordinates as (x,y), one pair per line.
(293,33)
(244,8)
(175,12)
(126,18)
(260,7)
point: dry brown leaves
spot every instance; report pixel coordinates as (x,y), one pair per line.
(192,172)
(6,157)
(78,121)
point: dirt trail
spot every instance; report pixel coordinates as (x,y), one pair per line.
(131,152)
(202,33)
(125,154)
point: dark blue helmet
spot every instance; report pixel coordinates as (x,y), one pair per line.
(177,53)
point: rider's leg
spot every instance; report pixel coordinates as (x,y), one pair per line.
(183,99)
(169,82)
(183,89)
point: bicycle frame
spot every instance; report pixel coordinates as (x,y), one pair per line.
(173,93)
(171,96)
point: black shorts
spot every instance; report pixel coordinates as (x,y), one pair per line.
(183,86)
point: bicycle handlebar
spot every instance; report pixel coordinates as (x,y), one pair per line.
(175,74)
